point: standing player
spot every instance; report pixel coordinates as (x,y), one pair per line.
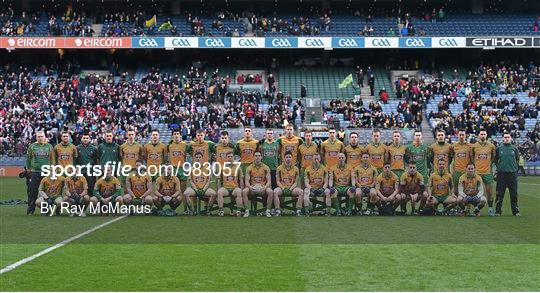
(270,150)
(440,150)
(395,154)
(204,147)
(287,180)
(440,188)
(376,150)
(306,153)
(167,191)
(108,151)
(223,149)
(38,154)
(87,156)
(330,149)
(66,153)
(417,154)
(471,189)
(138,188)
(462,157)
(52,191)
(290,143)
(340,182)
(412,186)
(387,189)
(176,152)
(354,150)
(246,148)
(364,179)
(130,152)
(316,180)
(230,183)
(200,186)
(77,191)
(483,154)
(507,158)
(257,179)
(155,152)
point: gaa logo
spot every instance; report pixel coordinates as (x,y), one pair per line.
(380,43)
(281,43)
(347,43)
(414,43)
(314,43)
(247,43)
(448,42)
(178,42)
(214,43)
(148,42)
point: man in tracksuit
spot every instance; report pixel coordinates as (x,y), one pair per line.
(87,155)
(506,158)
(39,153)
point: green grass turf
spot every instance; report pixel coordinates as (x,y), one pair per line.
(288,253)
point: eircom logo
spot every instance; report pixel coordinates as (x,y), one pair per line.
(283,43)
(214,43)
(314,43)
(247,43)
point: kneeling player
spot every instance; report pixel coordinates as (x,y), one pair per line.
(51,192)
(412,187)
(77,192)
(167,190)
(471,189)
(257,183)
(287,180)
(364,179)
(107,190)
(440,189)
(138,188)
(316,181)
(340,183)
(200,187)
(230,184)
(387,188)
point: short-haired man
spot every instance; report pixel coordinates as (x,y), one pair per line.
(353,150)
(287,180)
(376,150)
(38,154)
(483,154)
(270,150)
(330,149)
(471,189)
(412,186)
(200,187)
(138,187)
(340,182)
(506,158)
(364,179)
(246,148)
(230,183)
(167,191)
(77,191)
(107,190)
(316,181)
(53,192)
(257,179)
(66,153)
(440,189)
(462,157)
(387,188)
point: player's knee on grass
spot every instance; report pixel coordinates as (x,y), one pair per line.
(190,192)
(148,200)
(127,199)
(94,200)
(58,201)
(119,199)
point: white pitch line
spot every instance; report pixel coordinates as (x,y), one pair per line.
(56,246)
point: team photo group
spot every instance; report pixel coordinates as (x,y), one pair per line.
(332,178)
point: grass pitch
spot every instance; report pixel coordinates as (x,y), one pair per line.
(278,254)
